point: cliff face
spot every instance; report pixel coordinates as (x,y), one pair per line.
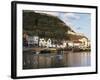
(45,25)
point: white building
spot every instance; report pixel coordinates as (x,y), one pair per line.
(49,43)
(33,40)
(84,41)
(42,42)
(70,44)
(36,39)
(77,44)
(64,44)
(30,40)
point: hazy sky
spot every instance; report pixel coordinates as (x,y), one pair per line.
(79,22)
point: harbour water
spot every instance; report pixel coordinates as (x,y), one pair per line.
(54,60)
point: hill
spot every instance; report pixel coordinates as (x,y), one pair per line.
(45,25)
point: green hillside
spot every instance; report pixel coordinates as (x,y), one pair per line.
(44,25)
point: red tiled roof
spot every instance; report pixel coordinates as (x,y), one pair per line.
(77,41)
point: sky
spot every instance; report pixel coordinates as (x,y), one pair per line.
(79,22)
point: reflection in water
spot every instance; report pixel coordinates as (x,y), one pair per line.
(77,59)
(54,60)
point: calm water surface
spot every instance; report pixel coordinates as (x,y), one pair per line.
(53,60)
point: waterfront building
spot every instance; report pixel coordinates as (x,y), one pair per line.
(84,41)
(49,43)
(33,41)
(42,42)
(77,44)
